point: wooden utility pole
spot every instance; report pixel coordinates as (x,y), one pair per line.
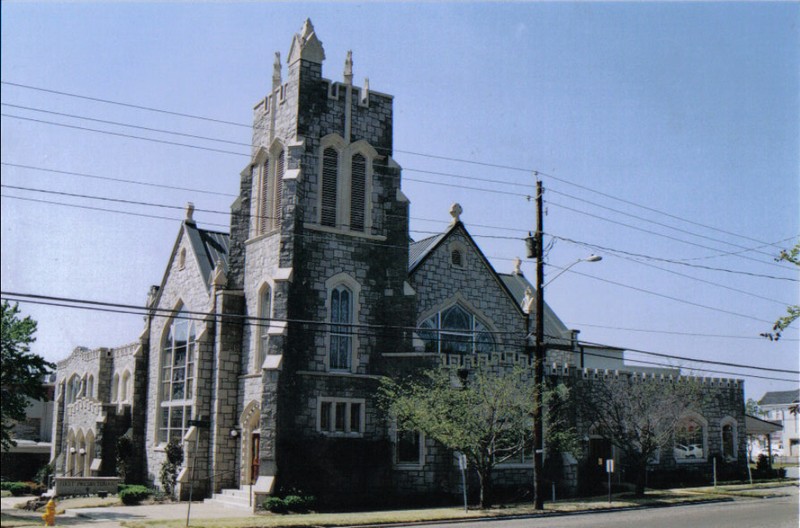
(539,358)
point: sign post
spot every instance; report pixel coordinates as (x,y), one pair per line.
(462,465)
(609,471)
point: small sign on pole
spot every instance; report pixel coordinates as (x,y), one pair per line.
(609,471)
(462,465)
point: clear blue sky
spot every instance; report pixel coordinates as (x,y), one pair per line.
(688,109)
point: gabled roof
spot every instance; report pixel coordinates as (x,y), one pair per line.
(209,247)
(780,397)
(417,251)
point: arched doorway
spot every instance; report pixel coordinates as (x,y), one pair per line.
(251,443)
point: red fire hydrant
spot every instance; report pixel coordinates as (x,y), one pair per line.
(49,514)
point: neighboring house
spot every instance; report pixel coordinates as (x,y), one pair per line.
(759,434)
(264,347)
(32,436)
(782,407)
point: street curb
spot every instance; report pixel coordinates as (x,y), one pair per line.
(542,515)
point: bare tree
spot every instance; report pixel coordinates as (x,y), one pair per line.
(638,414)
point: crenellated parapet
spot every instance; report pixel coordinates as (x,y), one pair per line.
(523,360)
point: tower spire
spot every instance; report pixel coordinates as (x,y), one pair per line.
(306,45)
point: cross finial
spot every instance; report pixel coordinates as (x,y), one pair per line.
(348,68)
(455,212)
(517,266)
(189,213)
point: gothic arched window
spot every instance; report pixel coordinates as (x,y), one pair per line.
(456,331)
(341,341)
(178,356)
(264,314)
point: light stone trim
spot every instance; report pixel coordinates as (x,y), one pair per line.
(283,274)
(339,231)
(338,374)
(273,362)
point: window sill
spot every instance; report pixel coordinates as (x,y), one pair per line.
(262,236)
(331,434)
(409,466)
(341,231)
(690,461)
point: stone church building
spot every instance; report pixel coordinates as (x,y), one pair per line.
(263,348)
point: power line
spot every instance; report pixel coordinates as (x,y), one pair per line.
(117,103)
(118,180)
(598,247)
(661,224)
(671,298)
(641,290)
(128,136)
(205,316)
(526,170)
(488,180)
(521,231)
(127,125)
(711,283)
(90,208)
(494,191)
(673,332)
(656,234)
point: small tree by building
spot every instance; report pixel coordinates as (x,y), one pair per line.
(638,415)
(21,372)
(484,414)
(170,468)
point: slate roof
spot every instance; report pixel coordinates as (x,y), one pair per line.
(780,397)
(209,246)
(553,326)
(417,251)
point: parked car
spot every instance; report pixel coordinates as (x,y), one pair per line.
(682,451)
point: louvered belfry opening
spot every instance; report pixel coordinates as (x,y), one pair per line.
(278,190)
(263,208)
(330,163)
(358,180)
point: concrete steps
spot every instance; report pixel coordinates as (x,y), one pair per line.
(232,498)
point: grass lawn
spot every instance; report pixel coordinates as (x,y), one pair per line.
(268,520)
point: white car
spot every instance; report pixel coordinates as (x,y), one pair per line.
(681,451)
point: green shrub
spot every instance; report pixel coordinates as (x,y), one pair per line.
(275,505)
(19,489)
(290,503)
(134,494)
(170,469)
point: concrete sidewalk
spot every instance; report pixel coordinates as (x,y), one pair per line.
(112,516)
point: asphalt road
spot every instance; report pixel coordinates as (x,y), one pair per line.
(779,512)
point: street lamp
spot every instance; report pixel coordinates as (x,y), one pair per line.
(540,354)
(590,258)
